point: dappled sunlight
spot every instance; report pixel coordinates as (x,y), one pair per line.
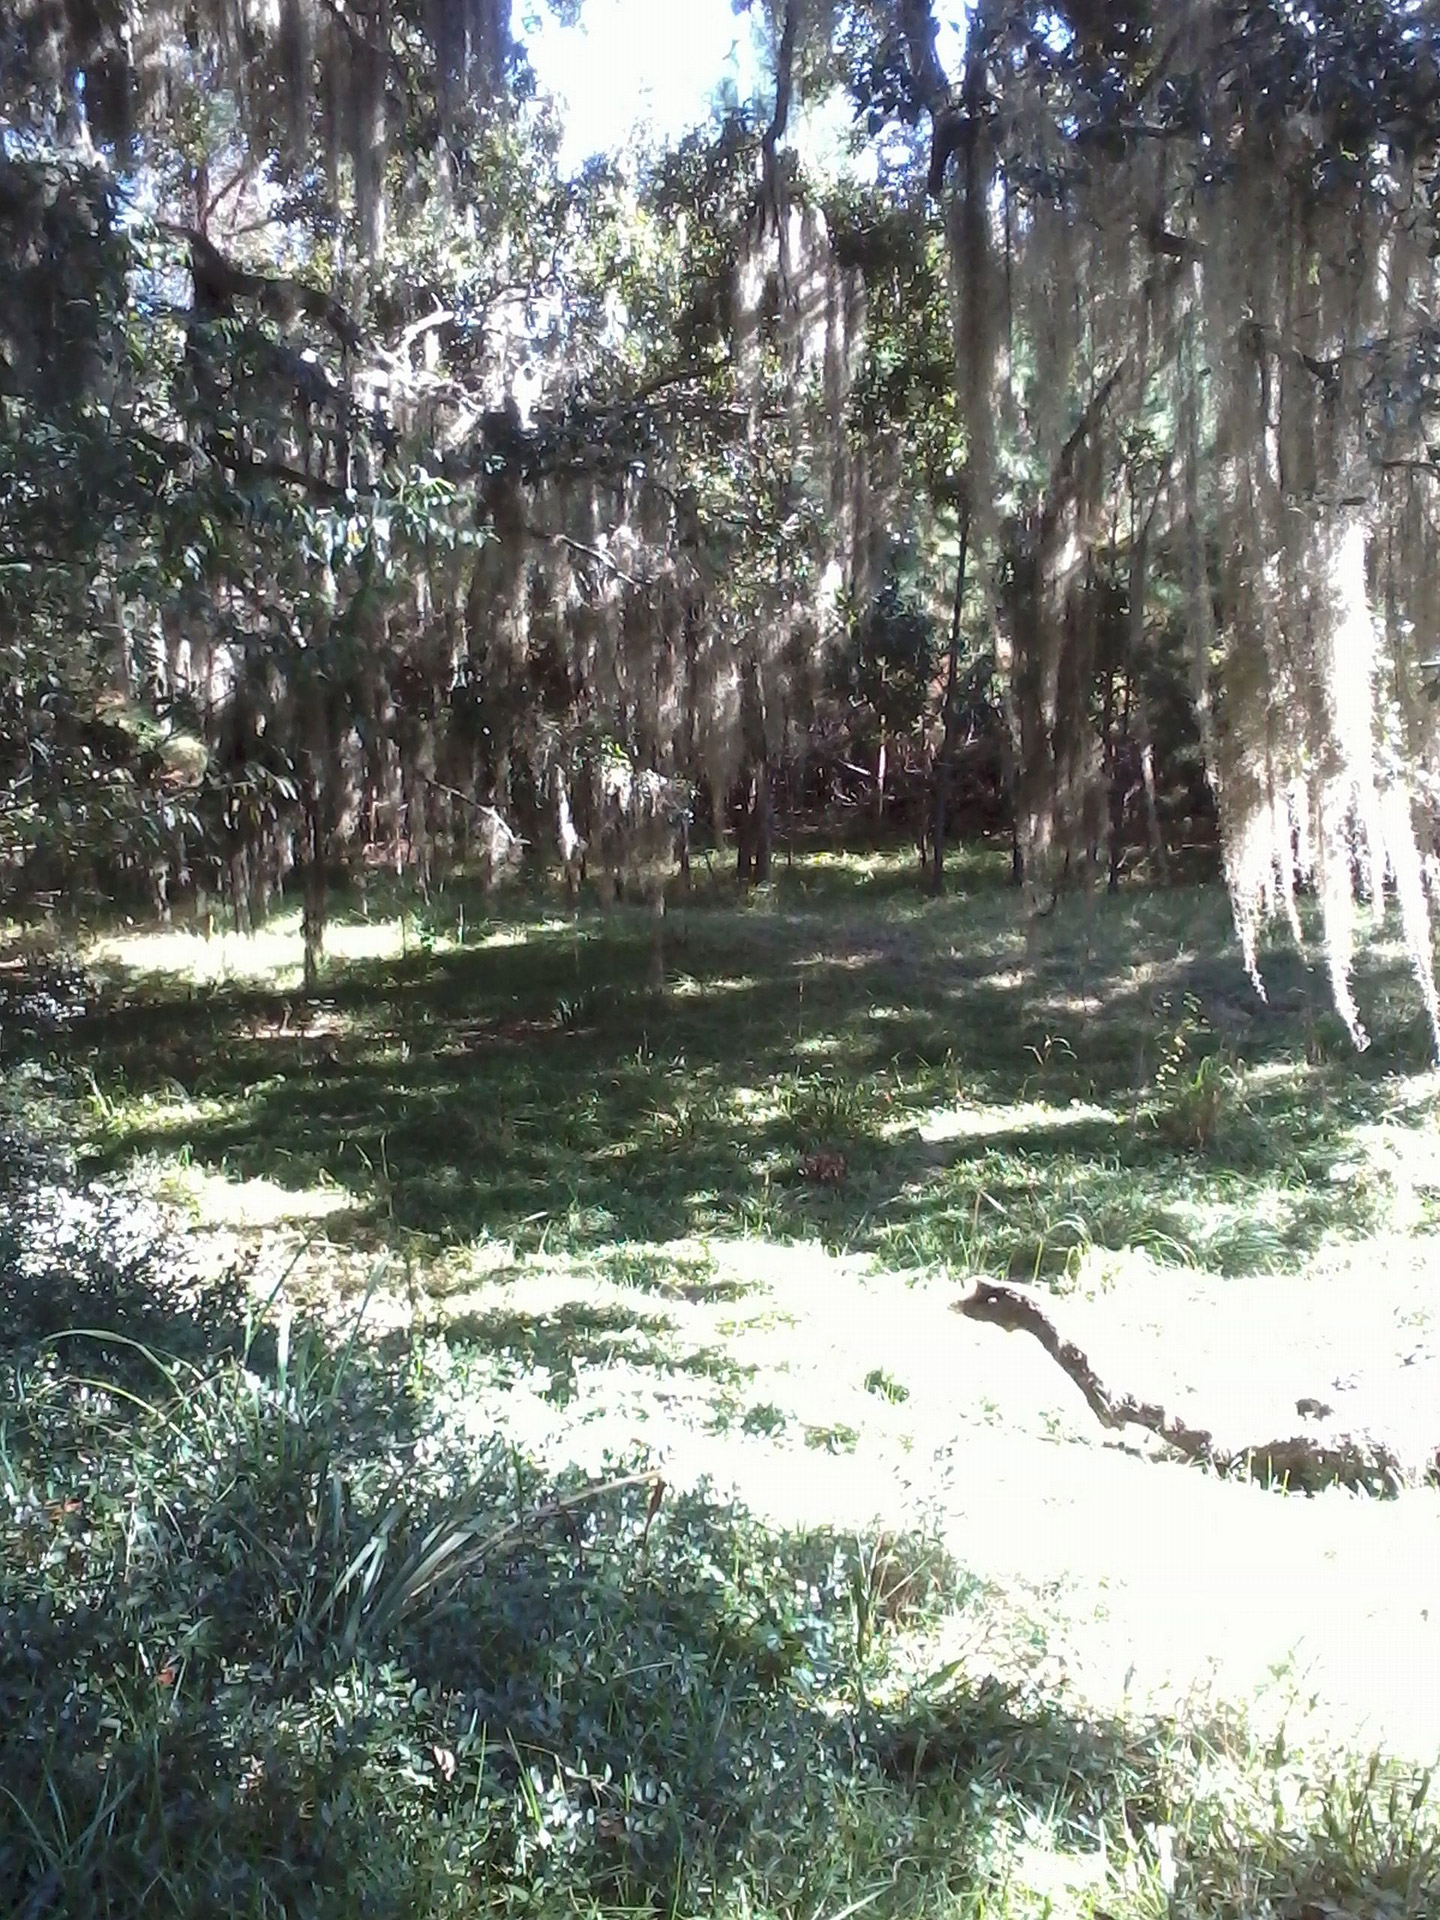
(820,1046)
(685,986)
(719,1123)
(830,1394)
(719,1229)
(531,1089)
(272,955)
(1068,1006)
(855,961)
(1005,980)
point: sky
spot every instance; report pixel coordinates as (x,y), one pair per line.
(653,62)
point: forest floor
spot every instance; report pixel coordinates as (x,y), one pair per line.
(717,1232)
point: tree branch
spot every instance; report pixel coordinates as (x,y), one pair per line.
(927,76)
(597,554)
(1302,1460)
(220,281)
(1062,477)
(784,84)
(243,465)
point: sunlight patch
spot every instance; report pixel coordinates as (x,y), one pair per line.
(483,1259)
(820,1046)
(1081,1006)
(256,1204)
(1151,973)
(275,952)
(853,962)
(685,987)
(1058,1877)
(793,1263)
(979,1123)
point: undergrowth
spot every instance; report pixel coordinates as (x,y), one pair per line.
(280,1634)
(265,1653)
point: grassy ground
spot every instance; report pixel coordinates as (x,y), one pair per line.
(900,1635)
(999,1100)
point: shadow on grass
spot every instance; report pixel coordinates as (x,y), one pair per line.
(538,1091)
(91,1273)
(559,1339)
(599,1714)
(239,1675)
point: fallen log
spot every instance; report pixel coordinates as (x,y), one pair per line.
(1325,1453)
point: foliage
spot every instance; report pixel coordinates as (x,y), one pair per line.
(890,662)
(409,465)
(1196,1092)
(86,773)
(371,493)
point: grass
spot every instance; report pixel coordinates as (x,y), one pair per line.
(996,1098)
(284,1636)
(336,1576)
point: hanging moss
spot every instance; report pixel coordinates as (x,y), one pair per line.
(309,78)
(1248,280)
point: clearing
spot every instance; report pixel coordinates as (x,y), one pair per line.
(718,1231)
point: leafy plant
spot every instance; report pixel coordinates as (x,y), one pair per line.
(1196,1095)
(878,1381)
(821,1111)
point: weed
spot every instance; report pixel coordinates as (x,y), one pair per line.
(576,1011)
(879,1382)
(821,1112)
(765,1418)
(1197,1095)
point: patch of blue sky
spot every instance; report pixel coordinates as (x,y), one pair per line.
(657,68)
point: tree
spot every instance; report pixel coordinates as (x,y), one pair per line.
(888,669)
(1214,224)
(479,482)
(98,779)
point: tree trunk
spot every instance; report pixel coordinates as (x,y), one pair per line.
(756,828)
(1119,793)
(1153,827)
(568,842)
(312,917)
(654,891)
(944,769)
(764,837)
(740,814)
(754,824)
(1135,641)
(1034,698)
(1010,775)
(238,872)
